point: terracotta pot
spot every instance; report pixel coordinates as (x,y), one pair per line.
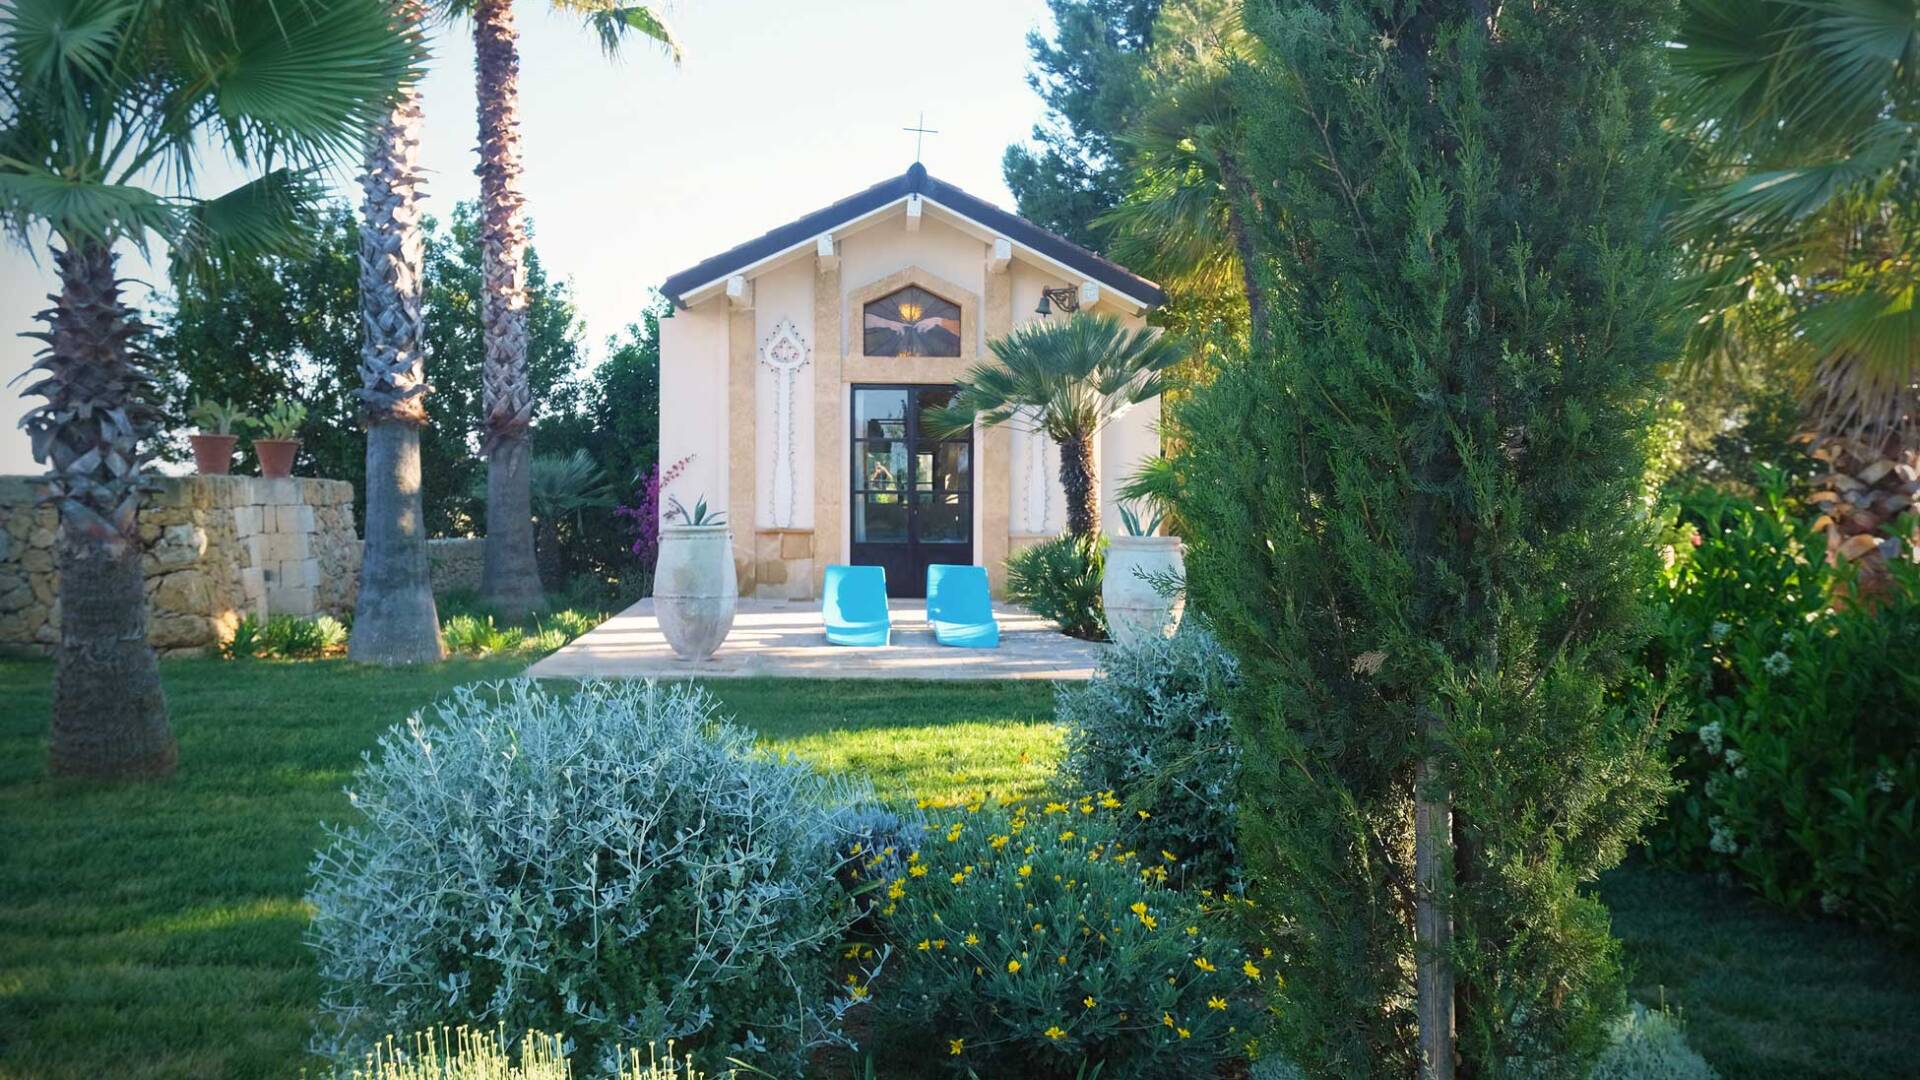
(694,588)
(276,456)
(1135,609)
(213,454)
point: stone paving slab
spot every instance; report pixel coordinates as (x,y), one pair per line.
(781,639)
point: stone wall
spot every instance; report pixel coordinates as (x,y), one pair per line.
(217,548)
(454,564)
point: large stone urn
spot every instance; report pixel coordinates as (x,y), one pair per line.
(1135,609)
(694,590)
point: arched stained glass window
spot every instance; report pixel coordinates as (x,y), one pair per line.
(912,322)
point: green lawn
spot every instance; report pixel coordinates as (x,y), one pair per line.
(154,930)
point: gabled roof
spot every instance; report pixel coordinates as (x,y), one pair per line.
(914,181)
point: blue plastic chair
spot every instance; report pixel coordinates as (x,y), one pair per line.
(854,605)
(959,607)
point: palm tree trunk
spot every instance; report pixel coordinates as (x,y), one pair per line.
(1081,482)
(109,713)
(509,576)
(1240,201)
(394,620)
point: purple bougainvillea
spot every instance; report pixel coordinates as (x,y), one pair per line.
(644,516)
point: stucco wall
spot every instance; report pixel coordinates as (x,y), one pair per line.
(721,404)
(216,548)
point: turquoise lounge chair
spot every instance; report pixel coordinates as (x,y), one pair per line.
(959,608)
(854,605)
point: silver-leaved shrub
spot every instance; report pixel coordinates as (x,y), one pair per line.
(617,865)
(1151,726)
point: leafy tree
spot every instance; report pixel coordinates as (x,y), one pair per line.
(1066,379)
(1414,513)
(1803,227)
(509,580)
(291,327)
(104,106)
(1088,74)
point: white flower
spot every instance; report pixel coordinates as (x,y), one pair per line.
(1883,780)
(1740,773)
(1733,759)
(1777,664)
(1719,630)
(1710,738)
(1723,842)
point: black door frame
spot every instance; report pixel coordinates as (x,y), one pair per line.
(906,561)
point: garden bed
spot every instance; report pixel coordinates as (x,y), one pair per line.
(156,930)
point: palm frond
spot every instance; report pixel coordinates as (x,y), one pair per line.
(615,22)
(310,78)
(270,215)
(75,208)
(1068,379)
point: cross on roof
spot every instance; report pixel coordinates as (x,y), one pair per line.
(921,132)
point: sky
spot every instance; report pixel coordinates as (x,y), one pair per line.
(636,169)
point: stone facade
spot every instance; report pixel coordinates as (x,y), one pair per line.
(217,548)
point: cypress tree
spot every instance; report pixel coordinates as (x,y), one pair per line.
(1414,512)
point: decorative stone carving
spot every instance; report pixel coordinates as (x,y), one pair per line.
(784,352)
(1036,475)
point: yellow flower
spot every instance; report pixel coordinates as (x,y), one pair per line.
(1066,836)
(912,856)
(998,842)
(897,890)
(1252,971)
(918,870)
(1203,963)
(1063,959)
(939,943)
(924,945)
(1139,910)
(973,938)
(1167,855)
(1143,814)
(954,1046)
(1013,967)
(1184,1033)
(1055,1033)
(1216,1003)
(959,878)
(1055,808)
(1088,1001)
(1026,871)
(859,993)
(1167,1019)
(1192,930)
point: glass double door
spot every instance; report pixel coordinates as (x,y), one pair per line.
(911,494)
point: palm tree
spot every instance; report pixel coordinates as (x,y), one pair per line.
(105,102)
(1068,380)
(395,620)
(510,581)
(1804,225)
(1185,218)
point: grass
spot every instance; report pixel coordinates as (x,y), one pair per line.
(155,930)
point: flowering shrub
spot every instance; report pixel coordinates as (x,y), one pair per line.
(1150,726)
(468,1054)
(644,516)
(1801,756)
(616,866)
(1033,943)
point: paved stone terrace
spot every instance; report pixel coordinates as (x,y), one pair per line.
(786,639)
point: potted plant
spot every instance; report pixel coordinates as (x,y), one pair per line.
(282,425)
(213,443)
(1141,590)
(694,588)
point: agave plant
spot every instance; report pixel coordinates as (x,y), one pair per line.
(104,107)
